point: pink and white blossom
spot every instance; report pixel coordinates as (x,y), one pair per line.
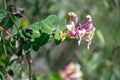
(85,30)
(72,72)
(9,78)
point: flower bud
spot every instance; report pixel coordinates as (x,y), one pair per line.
(72,14)
(75,20)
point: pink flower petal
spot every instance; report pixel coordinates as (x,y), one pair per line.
(70,68)
(9,78)
(70,26)
(9,31)
(72,33)
(88,26)
(75,20)
(80,27)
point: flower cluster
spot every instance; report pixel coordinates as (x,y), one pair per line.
(80,31)
(72,72)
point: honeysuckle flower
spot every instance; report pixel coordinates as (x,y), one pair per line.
(9,78)
(88,25)
(70,68)
(80,34)
(62,35)
(9,31)
(70,26)
(83,31)
(72,72)
(76,75)
(89,17)
(72,14)
(90,36)
(72,33)
(90,30)
(75,21)
(80,27)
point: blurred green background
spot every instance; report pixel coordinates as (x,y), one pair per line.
(102,61)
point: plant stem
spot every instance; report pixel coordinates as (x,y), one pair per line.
(4,47)
(30,67)
(13,21)
(9,14)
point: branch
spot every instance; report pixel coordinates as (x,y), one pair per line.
(13,21)
(9,14)
(30,67)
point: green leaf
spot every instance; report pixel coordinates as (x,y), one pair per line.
(43,39)
(21,35)
(101,38)
(26,35)
(41,25)
(2,64)
(27,47)
(62,25)
(49,23)
(10,50)
(36,31)
(17,21)
(1,76)
(2,15)
(53,19)
(47,26)
(57,38)
(37,25)
(6,23)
